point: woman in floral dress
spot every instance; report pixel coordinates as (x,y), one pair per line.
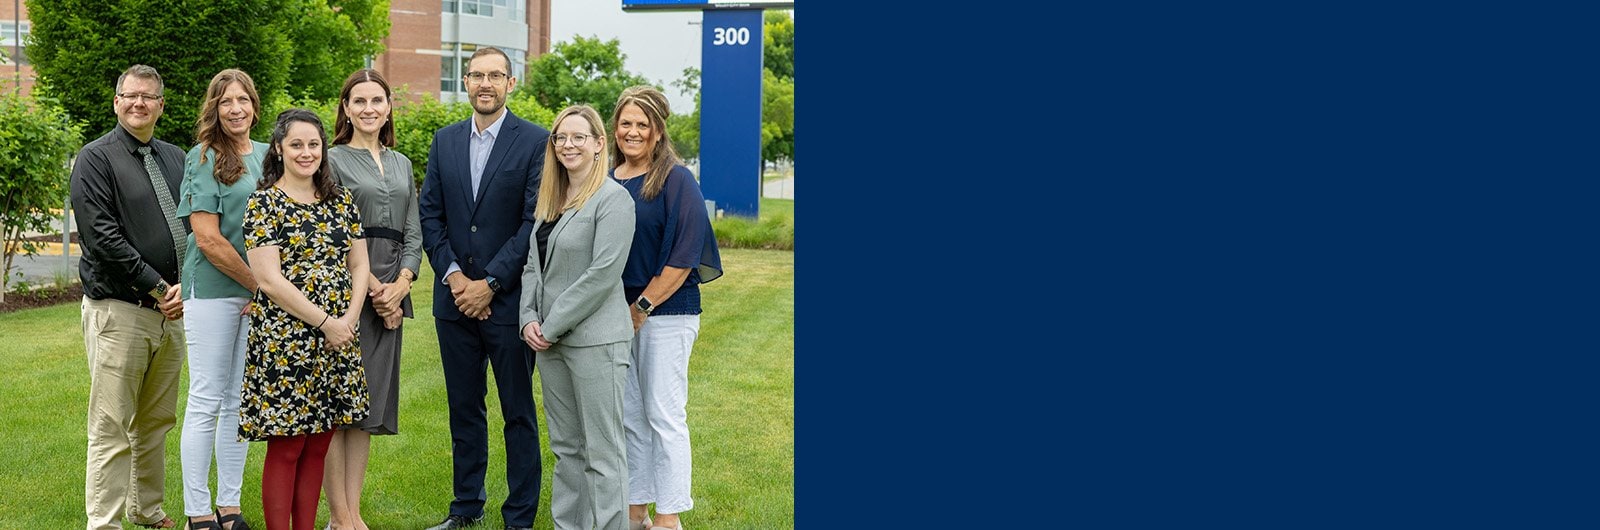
(303,371)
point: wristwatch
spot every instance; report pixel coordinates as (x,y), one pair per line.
(160,290)
(644,305)
(494,284)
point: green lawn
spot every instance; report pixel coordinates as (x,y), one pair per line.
(741,417)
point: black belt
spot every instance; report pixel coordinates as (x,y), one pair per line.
(386,233)
(147,302)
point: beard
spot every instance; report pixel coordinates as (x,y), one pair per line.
(488,108)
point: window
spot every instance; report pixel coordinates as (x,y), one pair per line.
(507,9)
(453,64)
(8,40)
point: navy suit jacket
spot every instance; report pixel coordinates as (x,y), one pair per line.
(487,236)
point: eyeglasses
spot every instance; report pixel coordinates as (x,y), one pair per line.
(477,78)
(577,139)
(136,97)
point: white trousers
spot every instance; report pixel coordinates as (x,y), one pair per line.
(217,337)
(654,413)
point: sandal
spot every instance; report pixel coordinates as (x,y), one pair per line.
(165,522)
(203,525)
(235,519)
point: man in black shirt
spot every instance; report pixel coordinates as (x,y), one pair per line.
(123,186)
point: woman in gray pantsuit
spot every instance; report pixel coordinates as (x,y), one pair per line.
(574,316)
(380,179)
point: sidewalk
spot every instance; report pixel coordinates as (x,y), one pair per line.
(41,268)
(778,189)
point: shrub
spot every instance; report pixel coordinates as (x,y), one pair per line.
(37,140)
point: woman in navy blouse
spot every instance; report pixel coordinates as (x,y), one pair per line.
(674,251)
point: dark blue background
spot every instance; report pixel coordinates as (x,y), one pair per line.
(1199,266)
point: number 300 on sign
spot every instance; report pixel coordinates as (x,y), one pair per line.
(730,36)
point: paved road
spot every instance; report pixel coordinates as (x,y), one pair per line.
(778,189)
(41,269)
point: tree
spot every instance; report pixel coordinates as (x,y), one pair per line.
(331,39)
(777,43)
(685,128)
(777,117)
(37,140)
(777,86)
(585,70)
(79,47)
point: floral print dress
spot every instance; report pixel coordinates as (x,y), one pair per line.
(292,384)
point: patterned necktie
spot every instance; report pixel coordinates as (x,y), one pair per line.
(168,208)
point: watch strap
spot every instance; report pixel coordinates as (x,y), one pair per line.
(160,290)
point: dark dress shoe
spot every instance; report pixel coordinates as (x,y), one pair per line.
(457,521)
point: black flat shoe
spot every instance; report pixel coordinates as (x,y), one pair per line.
(237,520)
(203,525)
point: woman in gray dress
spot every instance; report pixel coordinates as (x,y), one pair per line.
(380,178)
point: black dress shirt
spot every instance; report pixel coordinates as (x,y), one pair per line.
(127,247)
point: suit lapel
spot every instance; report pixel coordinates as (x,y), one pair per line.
(463,163)
(550,243)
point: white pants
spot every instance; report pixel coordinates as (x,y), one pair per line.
(217,337)
(654,415)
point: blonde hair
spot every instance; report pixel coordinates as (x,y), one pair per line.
(553,185)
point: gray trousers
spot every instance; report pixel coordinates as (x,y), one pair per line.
(582,389)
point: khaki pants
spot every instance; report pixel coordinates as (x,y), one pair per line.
(135,355)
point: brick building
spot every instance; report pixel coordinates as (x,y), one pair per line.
(15,68)
(430,40)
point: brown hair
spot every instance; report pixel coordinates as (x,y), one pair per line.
(486,50)
(343,130)
(662,155)
(211,134)
(272,169)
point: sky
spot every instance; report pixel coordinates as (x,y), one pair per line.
(658,44)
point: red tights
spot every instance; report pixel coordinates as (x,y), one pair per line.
(291,481)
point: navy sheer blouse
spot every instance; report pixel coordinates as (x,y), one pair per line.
(671,230)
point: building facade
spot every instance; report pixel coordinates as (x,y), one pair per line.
(14,69)
(430,41)
(426,52)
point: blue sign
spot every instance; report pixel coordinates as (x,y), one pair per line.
(730,110)
(698,5)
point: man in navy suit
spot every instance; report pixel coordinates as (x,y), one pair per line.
(477,213)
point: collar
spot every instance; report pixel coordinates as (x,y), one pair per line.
(493,130)
(129,141)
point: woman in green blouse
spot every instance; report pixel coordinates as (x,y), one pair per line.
(218,176)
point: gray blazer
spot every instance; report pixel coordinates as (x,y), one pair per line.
(579,301)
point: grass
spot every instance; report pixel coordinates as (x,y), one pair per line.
(772,230)
(741,416)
